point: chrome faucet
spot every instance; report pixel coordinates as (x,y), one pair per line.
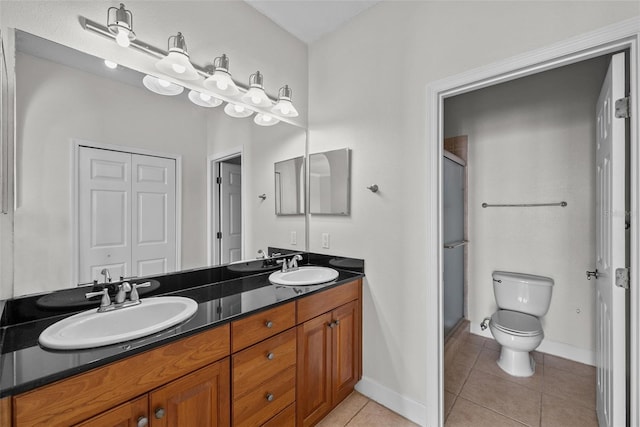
(121,296)
(293,262)
(106,274)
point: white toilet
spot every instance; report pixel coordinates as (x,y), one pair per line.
(521,299)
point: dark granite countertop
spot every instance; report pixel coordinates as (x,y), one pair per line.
(223,294)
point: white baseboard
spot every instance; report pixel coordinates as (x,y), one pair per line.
(588,357)
(402,405)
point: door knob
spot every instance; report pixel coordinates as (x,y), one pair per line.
(591,274)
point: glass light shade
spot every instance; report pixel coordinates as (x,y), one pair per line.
(204,99)
(265,119)
(122,38)
(110,64)
(285,108)
(161,87)
(238,111)
(222,83)
(256,96)
(176,64)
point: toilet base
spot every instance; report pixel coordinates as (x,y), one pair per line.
(516,363)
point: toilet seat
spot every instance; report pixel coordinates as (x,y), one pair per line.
(516,323)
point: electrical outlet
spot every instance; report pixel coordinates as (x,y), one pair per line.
(325,240)
(294,238)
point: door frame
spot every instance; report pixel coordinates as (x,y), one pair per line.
(76,143)
(213,207)
(616,37)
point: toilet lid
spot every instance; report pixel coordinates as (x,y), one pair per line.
(516,323)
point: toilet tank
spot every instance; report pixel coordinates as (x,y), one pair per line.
(521,292)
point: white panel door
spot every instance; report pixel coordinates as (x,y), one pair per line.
(610,250)
(230,213)
(153,228)
(104,221)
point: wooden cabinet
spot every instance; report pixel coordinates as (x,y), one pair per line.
(198,399)
(264,375)
(329,354)
(129,414)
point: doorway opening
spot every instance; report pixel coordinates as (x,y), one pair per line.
(225,219)
(611,39)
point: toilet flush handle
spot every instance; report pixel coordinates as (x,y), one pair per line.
(485,323)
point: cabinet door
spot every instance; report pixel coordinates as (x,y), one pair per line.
(130,414)
(314,370)
(346,350)
(200,399)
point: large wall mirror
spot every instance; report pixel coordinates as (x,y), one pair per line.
(329,182)
(70,106)
(289,186)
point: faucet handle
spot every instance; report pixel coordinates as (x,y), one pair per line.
(123,288)
(105,301)
(284,264)
(134,296)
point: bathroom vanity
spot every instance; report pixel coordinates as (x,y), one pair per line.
(253,354)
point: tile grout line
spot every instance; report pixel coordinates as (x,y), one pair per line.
(357,412)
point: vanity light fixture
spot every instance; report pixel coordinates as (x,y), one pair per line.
(256,95)
(238,111)
(161,86)
(220,81)
(176,64)
(110,64)
(120,24)
(284,107)
(262,119)
(203,99)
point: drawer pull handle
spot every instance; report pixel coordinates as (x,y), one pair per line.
(143,422)
(270,356)
(269,397)
(159,413)
(268,324)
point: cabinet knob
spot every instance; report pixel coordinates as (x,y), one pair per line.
(143,422)
(269,397)
(159,413)
(270,356)
(268,324)
(333,324)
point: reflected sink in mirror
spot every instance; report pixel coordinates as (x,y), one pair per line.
(304,276)
(92,329)
(251,266)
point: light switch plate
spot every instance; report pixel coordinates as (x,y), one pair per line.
(325,240)
(294,238)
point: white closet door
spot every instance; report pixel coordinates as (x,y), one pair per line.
(154,215)
(230,213)
(104,220)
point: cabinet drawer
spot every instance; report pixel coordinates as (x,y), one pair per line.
(286,418)
(253,329)
(256,364)
(320,303)
(266,399)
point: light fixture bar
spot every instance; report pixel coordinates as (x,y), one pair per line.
(156,52)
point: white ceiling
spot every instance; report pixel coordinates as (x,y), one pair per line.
(309,20)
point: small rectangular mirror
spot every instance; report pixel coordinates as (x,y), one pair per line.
(290,186)
(329,182)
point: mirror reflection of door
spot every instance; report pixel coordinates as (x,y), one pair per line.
(126,214)
(230,210)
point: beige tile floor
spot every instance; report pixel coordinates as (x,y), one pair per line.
(478,393)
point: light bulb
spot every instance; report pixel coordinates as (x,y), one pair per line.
(255,99)
(238,108)
(222,85)
(110,64)
(178,68)
(163,83)
(266,118)
(285,111)
(205,96)
(122,38)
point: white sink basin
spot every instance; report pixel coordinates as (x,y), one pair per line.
(92,329)
(304,276)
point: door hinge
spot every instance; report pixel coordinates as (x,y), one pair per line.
(219,235)
(218,180)
(623,108)
(622,278)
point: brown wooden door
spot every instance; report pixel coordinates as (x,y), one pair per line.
(345,351)
(314,370)
(129,414)
(200,399)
